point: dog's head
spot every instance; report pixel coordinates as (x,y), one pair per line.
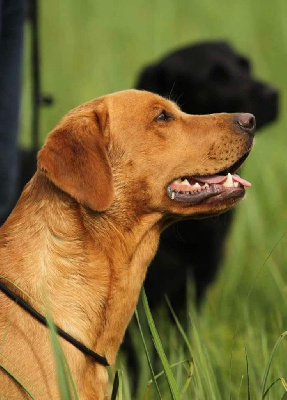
(211,77)
(137,150)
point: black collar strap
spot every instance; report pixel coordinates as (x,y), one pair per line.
(27,307)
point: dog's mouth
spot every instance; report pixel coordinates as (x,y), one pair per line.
(207,188)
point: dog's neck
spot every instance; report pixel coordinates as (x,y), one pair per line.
(92,295)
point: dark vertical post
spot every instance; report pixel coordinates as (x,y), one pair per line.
(35,75)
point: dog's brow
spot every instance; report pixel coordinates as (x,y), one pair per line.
(168,106)
(174,104)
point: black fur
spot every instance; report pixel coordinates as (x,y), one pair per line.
(204,78)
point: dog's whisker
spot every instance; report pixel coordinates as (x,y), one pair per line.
(178,98)
(170,93)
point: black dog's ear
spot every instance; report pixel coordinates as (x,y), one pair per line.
(154,79)
(244,63)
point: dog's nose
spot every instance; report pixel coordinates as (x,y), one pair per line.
(246,122)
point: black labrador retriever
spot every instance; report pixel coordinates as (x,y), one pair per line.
(203,78)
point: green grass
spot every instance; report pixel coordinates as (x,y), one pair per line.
(92,48)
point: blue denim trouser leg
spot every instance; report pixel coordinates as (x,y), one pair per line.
(11,43)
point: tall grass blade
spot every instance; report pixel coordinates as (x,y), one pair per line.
(284,383)
(147,355)
(206,378)
(18,381)
(65,379)
(179,326)
(120,392)
(189,377)
(282,380)
(71,380)
(266,373)
(244,306)
(115,386)
(269,387)
(161,373)
(240,386)
(184,336)
(159,348)
(188,381)
(247,374)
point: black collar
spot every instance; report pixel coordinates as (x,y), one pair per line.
(27,307)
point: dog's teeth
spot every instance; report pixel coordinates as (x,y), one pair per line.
(205,185)
(172,195)
(196,185)
(185,182)
(236,184)
(177,181)
(229,181)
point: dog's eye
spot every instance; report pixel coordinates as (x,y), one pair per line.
(164,116)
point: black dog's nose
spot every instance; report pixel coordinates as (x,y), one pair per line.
(246,121)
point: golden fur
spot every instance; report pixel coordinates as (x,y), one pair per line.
(87,226)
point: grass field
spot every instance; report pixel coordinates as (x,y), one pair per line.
(92,48)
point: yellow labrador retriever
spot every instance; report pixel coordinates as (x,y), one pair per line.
(111,176)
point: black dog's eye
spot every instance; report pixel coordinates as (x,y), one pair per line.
(164,116)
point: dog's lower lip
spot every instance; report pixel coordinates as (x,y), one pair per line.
(194,189)
(210,194)
(231,193)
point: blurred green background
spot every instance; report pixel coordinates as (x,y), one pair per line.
(91,48)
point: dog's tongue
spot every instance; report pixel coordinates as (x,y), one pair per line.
(221,179)
(243,182)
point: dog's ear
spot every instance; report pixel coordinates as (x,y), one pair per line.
(75,158)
